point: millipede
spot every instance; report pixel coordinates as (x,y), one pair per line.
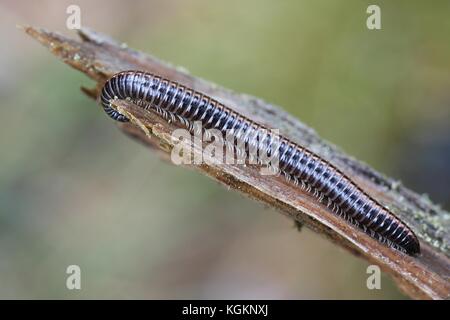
(304,168)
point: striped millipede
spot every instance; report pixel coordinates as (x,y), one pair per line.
(175,102)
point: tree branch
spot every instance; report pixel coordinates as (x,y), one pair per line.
(425,276)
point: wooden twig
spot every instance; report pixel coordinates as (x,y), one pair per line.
(425,276)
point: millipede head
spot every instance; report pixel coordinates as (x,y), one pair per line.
(114,114)
(108,93)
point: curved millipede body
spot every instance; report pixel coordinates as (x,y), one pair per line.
(298,164)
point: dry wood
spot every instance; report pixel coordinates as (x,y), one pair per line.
(425,276)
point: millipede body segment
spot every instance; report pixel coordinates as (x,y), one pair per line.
(296,163)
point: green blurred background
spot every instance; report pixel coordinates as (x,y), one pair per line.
(70,193)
